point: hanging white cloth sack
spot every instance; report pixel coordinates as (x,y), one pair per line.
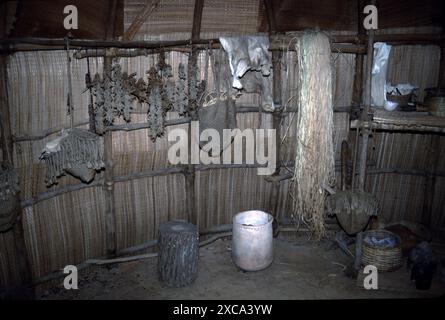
(379,71)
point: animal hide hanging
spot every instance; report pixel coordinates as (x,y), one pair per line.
(78,152)
(217,109)
(9,186)
(250,65)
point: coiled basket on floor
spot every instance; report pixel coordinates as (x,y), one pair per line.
(384,258)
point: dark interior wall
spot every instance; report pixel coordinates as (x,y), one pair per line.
(342,14)
(289,15)
(44,220)
(44,18)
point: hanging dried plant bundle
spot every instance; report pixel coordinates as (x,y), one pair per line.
(98,106)
(314,162)
(113,96)
(196,88)
(167,85)
(156,114)
(140,90)
(121,87)
(181,103)
(76,151)
(160,95)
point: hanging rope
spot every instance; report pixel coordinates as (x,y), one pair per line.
(70,89)
(89,81)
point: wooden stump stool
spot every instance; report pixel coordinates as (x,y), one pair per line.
(178,253)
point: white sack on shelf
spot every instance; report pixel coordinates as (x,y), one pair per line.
(379,71)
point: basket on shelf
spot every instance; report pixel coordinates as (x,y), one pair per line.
(401,100)
(384,258)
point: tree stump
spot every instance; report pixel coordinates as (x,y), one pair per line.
(178,253)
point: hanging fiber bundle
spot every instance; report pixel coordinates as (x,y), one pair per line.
(9,186)
(314,162)
(78,152)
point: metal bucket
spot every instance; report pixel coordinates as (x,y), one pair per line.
(252,240)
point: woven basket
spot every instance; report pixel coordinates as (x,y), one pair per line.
(385,259)
(402,100)
(436,106)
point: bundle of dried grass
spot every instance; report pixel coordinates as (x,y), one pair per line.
(314,162)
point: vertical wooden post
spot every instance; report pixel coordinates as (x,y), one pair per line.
(430,180)
(276,124)
(277,99)
(268,4)
(358,83)
(441,82)
(365,138)
(110,214)
(190,174)
(190,168)
(365,113)
(23,289)
(344,165)
(433,155)
(190,180)
(197,18)
(358,75)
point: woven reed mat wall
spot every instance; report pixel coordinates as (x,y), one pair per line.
(402,196)
(69,228)
(173,19)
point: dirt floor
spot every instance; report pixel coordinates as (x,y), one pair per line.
(302,269)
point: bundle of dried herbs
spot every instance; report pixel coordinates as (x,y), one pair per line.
(113,96)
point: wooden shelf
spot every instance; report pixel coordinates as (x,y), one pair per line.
(403,121)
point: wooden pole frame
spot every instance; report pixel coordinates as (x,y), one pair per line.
(24,289)
(108,186)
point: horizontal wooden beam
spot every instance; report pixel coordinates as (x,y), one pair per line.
(144,125)
(340,43)
(136,175)
(396,127)
(402,121)
(411,172)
